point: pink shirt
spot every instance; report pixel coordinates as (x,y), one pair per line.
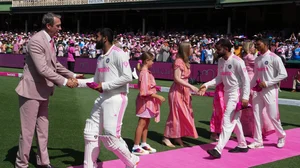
(71,51)
(174,53)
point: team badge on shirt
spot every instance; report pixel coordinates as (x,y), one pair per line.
(229,66)
(266,62)
(107,60)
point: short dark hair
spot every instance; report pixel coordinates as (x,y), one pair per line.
(224,43)
(48,18)
(264,40)
(106,32)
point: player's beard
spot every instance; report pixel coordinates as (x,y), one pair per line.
(220,55)
(99,44)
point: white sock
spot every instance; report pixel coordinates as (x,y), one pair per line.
(143,144)
(135,146)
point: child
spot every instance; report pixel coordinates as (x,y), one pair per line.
(147,105)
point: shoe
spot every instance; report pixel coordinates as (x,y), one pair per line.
(45,166)
(139,151)
(214,137)
(293,90)
(135,166)
(256,145)
(149,149)
(168,143)
(238,150)
(281,142)
(214,153)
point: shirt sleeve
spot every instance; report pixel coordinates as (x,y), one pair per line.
(124,69)
(242,71)
(279,67)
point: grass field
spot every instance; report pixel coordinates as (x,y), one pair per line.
(69,109)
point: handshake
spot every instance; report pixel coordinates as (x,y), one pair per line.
(73,82)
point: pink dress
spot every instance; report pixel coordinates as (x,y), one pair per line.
(247,118)
(218,110)
(180,122)
(146,105)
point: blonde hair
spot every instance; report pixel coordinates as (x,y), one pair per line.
(143,58)
(247,45)
(183,52)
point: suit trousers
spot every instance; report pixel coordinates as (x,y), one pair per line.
(34,120)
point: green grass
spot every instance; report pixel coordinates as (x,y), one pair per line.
(69,109)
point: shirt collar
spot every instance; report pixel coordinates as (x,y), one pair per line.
(47,36)
(266,53)
(108,52)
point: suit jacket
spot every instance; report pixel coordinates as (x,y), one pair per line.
(42,70)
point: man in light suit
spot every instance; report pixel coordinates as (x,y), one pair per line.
(41,73)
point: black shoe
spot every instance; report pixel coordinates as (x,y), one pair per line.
(238,150)
(45,166)
(214,153)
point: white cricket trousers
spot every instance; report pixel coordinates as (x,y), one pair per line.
(231,122)
(267,98)
(105,125)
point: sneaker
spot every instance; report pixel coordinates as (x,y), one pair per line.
(149,149)
(281,142)
(135,166)
(238,150)
(214,153)
(139,151)
(255,145)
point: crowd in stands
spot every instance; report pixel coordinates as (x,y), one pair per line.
(164,46)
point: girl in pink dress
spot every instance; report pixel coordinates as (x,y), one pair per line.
(180,122)
(147,105)
(218,112)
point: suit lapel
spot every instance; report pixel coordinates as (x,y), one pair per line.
(48,48)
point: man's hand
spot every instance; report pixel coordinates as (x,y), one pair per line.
(202,90)
(72,83)
(99,87)
(245,103)
(262,84)
(79,76)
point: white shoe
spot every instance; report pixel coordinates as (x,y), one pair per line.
(256,145)
(149,148)
(137,162)
(139,151)
(281,142)
(134,74)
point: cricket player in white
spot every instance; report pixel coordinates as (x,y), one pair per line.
(270,70)
(113,74)
(232,72)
